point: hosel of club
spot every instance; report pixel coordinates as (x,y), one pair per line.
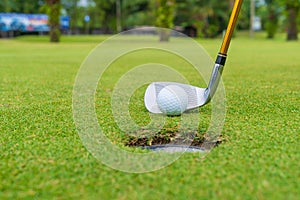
(220,62)
(215,77)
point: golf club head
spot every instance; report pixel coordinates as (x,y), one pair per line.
(196,95)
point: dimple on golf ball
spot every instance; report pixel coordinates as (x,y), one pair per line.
(172,100)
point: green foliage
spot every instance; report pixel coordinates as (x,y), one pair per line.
(20,6)
(187,13)
(208,16)
(292,3)
(272,18)
(73,11)
(165,13)
(164,17)
(106,10)
(288,10)
(5,6)
(138,13)
(244,16)
(298,21)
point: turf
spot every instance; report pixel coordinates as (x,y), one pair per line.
(42,155)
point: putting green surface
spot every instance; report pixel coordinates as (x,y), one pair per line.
(42,155)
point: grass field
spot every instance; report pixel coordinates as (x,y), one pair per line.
(42,156)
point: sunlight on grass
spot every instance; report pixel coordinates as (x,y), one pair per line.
(42,155)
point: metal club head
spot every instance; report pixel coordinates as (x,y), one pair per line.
(197,97)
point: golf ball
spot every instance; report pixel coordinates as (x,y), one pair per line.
(172,100)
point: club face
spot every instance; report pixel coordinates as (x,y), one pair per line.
(196,95)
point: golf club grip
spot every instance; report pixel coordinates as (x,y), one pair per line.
(231,25)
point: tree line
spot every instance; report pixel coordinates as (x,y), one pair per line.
(207,17)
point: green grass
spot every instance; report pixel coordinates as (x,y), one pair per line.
(42,155)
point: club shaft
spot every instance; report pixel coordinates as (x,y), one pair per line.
(231,25)
(221,58)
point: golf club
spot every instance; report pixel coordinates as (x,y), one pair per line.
(173,98)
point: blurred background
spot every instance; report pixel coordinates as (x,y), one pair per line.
(196,18)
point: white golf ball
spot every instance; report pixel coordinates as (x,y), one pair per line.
(172,100)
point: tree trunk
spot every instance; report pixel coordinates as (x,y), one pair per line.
(272,23)
(252,17)
(231,3)
(118,16)
(164,35)
(292,33)
(164,18)
(54,14)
